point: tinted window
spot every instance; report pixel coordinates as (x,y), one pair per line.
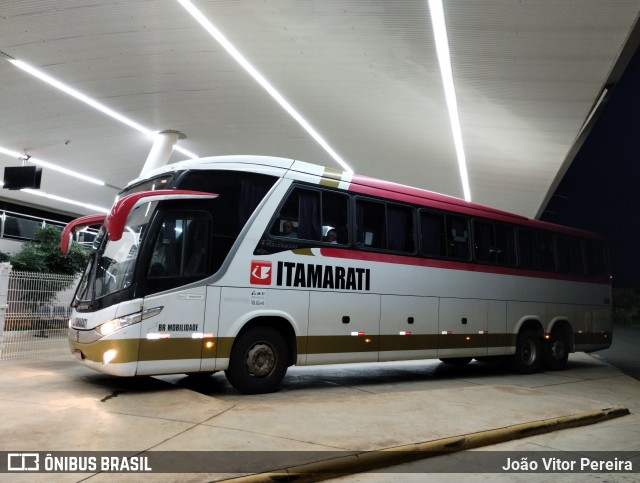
(494,243)
(370,224)
(505,245)
(569,254)
(546,251)
(432,234)
(181,251)
(299,217)
(335,218)
(239,195)
(310,214)
(484,242)
(527,249)
(458,237)
(400,229)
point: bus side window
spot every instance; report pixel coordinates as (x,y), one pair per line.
(569,253)
(457,237)
(527,248)
(546,251)
(505,245)
(181,251)
(370,224)
(335,216)
(484,242)
(432,234)
(494,243)
(301,211)
(400,229)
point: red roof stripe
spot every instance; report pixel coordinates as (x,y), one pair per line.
(407,194)
(456,265)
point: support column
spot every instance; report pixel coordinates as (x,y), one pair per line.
(161,150)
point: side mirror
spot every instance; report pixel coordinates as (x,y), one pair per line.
(74,225)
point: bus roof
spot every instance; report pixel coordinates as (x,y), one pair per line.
(296,169)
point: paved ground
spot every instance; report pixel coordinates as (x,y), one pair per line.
(55,405)
(624,352)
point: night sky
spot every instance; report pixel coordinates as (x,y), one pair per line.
(601,190)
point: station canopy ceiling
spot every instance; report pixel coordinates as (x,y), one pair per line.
(363,74)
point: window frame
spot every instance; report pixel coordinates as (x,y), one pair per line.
(277,217)
(154,285)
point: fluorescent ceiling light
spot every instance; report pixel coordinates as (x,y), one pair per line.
(99,209)
(260,79)
(55,167)
(91,102)
(444,58)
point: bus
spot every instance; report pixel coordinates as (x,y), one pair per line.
(251,264)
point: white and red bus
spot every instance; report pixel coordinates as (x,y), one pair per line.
(249,265)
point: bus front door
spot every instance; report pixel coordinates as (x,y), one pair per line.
(172,329)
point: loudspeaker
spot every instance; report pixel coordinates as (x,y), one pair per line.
(18,177)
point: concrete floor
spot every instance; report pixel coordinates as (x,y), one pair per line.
(54,404)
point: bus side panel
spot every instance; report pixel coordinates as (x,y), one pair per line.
(343,327)
(210,336)
(408,327)
(171,341)
(520,312)
(498,340)
(240,306)
(597,335)
(463,327)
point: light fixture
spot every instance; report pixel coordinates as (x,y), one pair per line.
(62,199)
(260,79)
(92,102)
(46,164)
(444,59)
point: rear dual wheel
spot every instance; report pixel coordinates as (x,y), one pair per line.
(555,350)
(528,356)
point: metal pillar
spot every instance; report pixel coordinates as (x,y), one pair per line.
(161,150)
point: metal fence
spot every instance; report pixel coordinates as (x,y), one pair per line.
(34,313)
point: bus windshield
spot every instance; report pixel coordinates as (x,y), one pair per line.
(113,263)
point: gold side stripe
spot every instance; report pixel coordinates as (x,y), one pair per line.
(131,350)
(303,251)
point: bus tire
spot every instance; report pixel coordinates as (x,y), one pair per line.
(555,351)
(528,356)
(258,361)
(457,361)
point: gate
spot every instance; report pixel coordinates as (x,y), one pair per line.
(34,313)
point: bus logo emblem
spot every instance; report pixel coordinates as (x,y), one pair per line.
(260,272)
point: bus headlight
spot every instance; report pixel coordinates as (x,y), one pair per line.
(115,324)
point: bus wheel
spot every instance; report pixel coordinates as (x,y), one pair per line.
(258,361)
(457,361)
(555,351)
(527,358)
